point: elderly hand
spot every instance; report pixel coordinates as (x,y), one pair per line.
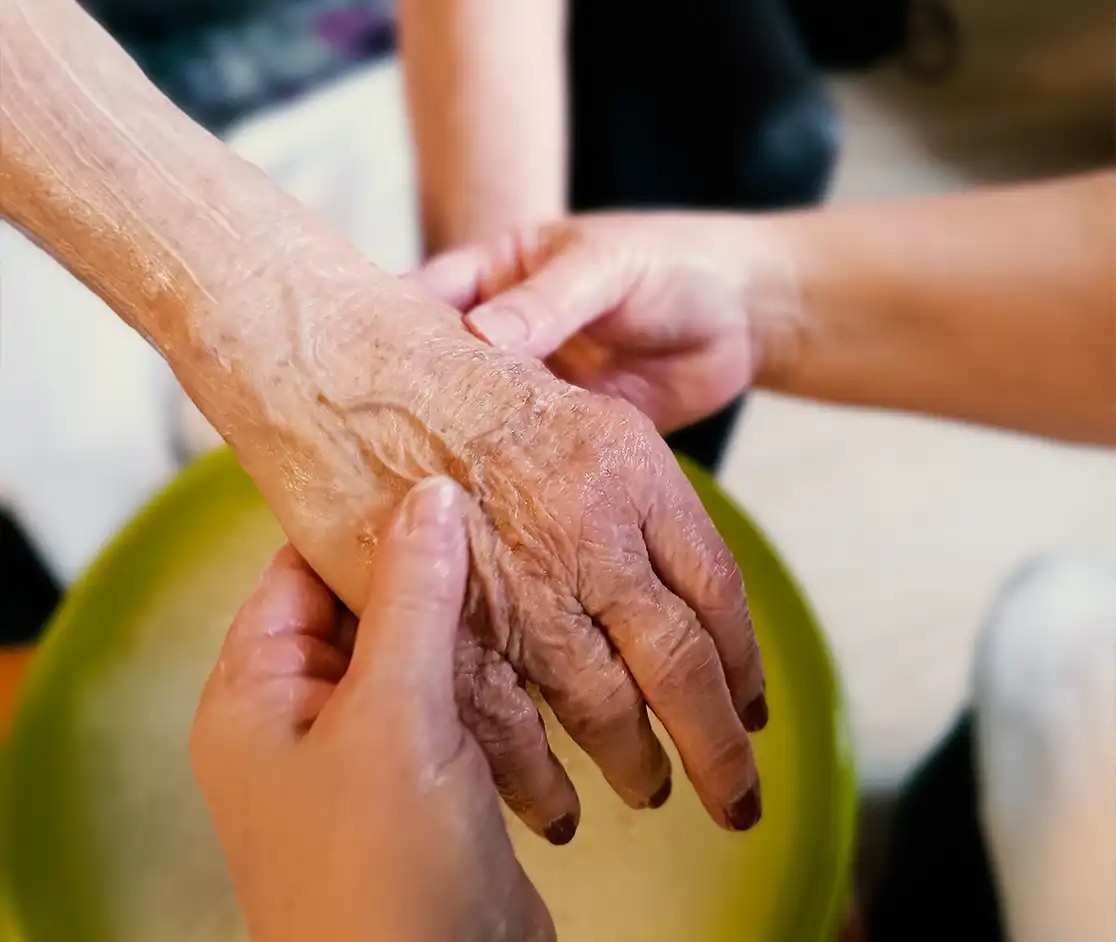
(350,801)
(597,575)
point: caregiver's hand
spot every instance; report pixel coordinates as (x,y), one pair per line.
(674,313)
(911,304)
(350,801)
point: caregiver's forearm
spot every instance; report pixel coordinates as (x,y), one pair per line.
(486,86)
(192,246)
(996,307)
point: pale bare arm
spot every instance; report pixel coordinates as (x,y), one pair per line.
(996,307)
(486,84)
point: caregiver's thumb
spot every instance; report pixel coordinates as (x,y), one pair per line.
(405,642)
(564,290)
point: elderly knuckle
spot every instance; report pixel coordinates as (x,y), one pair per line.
(597,710)
(495,708)
(723,588)
(729,756)
(685,659)
(723,576)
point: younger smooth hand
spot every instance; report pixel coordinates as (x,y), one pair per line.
(350,801)
(676,313)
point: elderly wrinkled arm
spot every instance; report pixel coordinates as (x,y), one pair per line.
(340,387)
(253,300)
(159,218)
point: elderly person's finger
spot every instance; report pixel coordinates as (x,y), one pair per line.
(678,667)
(692,560)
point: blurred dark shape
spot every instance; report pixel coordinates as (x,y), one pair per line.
(28,593)
(359,32)
(937,881)
(223,60)
(934,41)
(154,20)
(851,34)
(697,104)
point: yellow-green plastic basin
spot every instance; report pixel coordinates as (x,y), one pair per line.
(107,839)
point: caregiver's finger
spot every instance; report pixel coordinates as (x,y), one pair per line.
(404,646)
(288,598)
(278,663)
(538,919)
(454,277)
(562,292)
(693,561)
(464,277)
(677,666)
(286,628)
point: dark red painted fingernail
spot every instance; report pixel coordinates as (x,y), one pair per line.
(561,831)
(660,797)
(755,715)
(745,812)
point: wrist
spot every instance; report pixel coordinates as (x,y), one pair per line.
(774,308)
(316,341)
(847,325)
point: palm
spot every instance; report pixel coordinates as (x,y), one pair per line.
(672,349)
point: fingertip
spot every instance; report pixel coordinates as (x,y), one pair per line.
(288,597)
(289,572)
(421,565)
(662,796)
(540,923)
(562,831)
(287,560)
(745,813)
(432,513)
(755,715)
(452,277)
(499,325)
(291,577)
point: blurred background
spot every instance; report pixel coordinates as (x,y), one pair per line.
(900,529)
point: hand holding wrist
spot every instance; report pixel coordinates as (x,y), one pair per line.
(677,313)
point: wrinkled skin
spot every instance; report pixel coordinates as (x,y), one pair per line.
(350,801)
(597,575)
(674,313)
